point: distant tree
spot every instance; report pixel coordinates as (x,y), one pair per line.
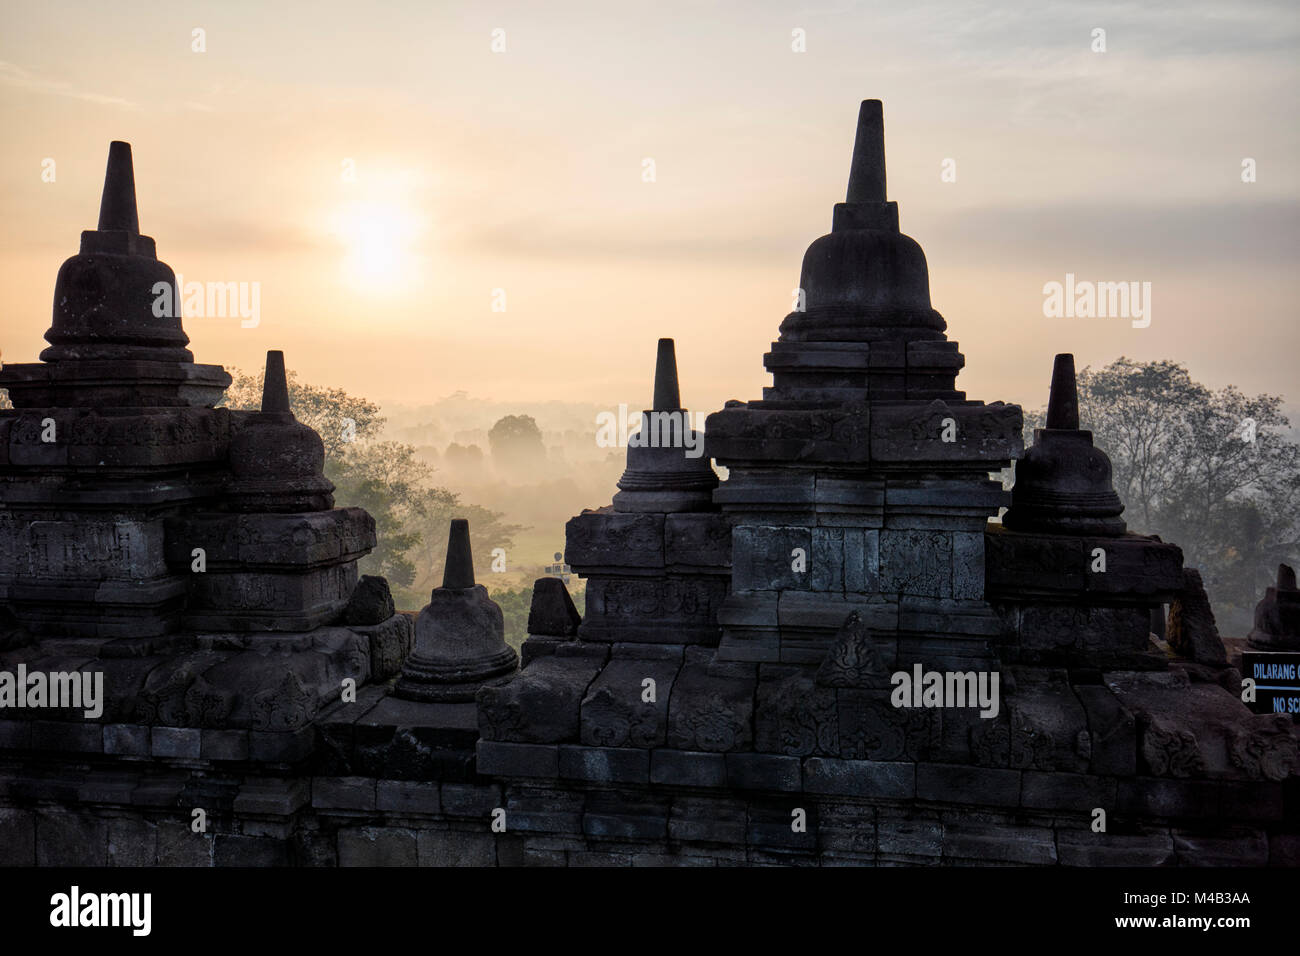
(1142,410)
(458,455)
(387,479)
(392,555)
(1210,471)
(457,451)
(514,605)
(516,442)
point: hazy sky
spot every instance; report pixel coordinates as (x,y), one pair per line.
(523,171)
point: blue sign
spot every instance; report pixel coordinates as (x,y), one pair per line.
(1277,680)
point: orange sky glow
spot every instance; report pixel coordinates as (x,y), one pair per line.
(386,177)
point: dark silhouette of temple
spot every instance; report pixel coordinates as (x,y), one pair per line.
(834,656)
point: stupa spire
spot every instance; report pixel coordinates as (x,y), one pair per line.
(275,385)
(668,396)
(867,171)
(865,205)
(117,209)
(1063,400)
(459,569)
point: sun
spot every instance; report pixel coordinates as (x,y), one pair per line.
(379,240)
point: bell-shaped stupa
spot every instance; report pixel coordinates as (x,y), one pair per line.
(1277,616)
(1063,483)
(278,463)
(459,636)
(666,467)
(860,482)
(116,338)
(863,325)
(135,507)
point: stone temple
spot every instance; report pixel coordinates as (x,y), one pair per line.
(838,655)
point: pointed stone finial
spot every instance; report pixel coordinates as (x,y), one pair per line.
(552,620)
(668,395)
(458,573)
(275,385)
(117,211)
(1277,615)
(867,172)
(552,612)
(865,207)
(1063,401)
(371,602)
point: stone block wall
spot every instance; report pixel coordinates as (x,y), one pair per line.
(836,813)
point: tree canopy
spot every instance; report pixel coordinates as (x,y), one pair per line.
(516,442)
(411,512)
(1211,471)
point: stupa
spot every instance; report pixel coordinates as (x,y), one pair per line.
(114,431)
(860,482)
(459,636)
(1063,483)
(111,345)
(278,463)
(1072,587)
(657,564)
(1277,616)
(279,556)
(666,471)
(655,559)
(192,554)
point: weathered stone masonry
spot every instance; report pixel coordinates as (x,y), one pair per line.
(727,697)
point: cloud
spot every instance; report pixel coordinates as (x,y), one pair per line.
(1168,235)
(1242,234)
(561,243)
(14,75)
